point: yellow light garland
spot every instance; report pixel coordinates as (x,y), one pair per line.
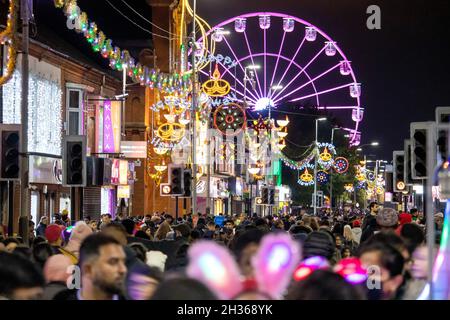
(9,36)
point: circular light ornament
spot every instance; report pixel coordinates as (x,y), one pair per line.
(230,119)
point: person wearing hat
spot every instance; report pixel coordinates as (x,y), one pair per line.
(386,220)
(319,243)
(357,231)
(54,236)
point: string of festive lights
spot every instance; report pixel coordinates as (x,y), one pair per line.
(8,38)
(44,111)
(120,59)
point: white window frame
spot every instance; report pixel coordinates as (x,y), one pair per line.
(82,90)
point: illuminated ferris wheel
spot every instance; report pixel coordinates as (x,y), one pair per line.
(281,59)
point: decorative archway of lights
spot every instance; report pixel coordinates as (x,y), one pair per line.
(298,63)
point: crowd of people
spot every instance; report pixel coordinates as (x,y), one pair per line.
(148,257)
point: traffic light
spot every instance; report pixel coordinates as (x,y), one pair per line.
(409,181)
(176,180)
(442,117)
(187,178)
(399,171)
(271,196)
(264,195)
(74,161)
(419,134)
(258,201)
(10,152)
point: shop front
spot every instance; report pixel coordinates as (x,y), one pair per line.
(47,194)
(219,195)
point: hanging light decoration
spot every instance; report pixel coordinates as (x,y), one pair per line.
(254,170)
(170,117)
(240,25)
(322,177)
(283,123)
(311,34)
(282,134)
(281,144)
(160,150)
(161,167)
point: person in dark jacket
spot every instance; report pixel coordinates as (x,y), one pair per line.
(371,215)
(40,230)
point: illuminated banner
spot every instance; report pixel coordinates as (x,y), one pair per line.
(115,171)
(134,149)
(123,192)
(45,170)
(107,127)
(123,172)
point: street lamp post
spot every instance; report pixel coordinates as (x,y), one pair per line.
(193,117)
(315,165)
(331,175)
(372,144)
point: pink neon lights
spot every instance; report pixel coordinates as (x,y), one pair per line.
(311,33)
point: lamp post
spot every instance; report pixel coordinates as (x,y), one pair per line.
(315,166)
(193,117)
(372,144)
(331,175)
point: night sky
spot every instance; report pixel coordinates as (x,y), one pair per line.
(403,67)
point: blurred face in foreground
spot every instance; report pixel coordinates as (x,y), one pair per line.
(141,287)
(371,261)
(419,267)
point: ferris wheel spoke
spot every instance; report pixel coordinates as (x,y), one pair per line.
(276,100)
(253,62)
(292,60)
(299,74)
(265,64)
(337,107)
(244,96)
(322,92)
(276,63)
(234,55)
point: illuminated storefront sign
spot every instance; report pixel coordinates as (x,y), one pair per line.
(123,192)
(134,149)
(123,172)
(115,171)
(107,127)
(45,170)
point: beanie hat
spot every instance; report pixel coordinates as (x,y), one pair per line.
(53,232)
(356,224)
(404,218)
(319,243)
(387,217)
